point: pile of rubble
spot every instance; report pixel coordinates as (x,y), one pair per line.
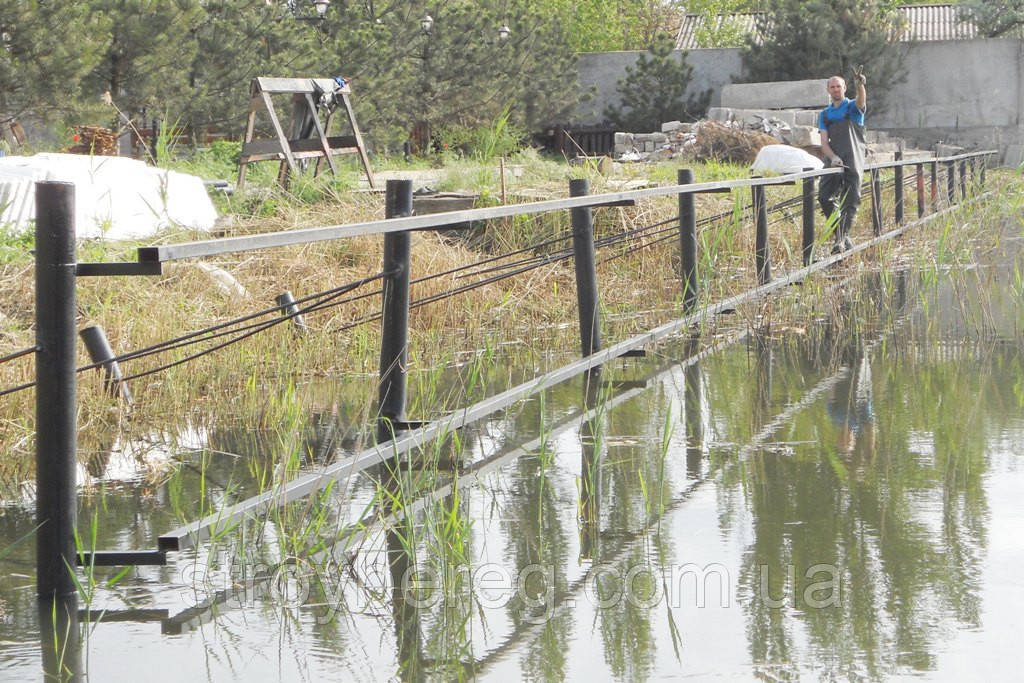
(703,141)
(737,130)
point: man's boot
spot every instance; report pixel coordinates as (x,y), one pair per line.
(845,223)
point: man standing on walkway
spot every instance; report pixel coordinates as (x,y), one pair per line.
(842,143)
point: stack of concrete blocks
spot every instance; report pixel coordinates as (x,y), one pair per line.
(638,143)
(653,146)
(791,108)
(788,110)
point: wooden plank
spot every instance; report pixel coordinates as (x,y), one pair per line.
(315,154)
(259,147)
(359,139)
(249,127)
(280,132)
(327,132)
(296,85)
(321,137)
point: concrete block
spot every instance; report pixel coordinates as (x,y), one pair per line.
(719,114)
(775,94)
(621,149)
(802,136)
(670,126)
(806,117)
(788,117)
(623,139)
(649,146)
(1014,155)
(945,150)
(754,116)
(659,138)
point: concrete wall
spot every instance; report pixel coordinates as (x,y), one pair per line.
(602,70)
(967,92)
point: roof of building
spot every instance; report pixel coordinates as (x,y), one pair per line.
(919,22)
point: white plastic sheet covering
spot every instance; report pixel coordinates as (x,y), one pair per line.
(115,197)
(784,159)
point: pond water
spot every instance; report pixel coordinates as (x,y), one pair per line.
(838,498)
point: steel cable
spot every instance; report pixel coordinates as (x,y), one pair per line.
(18,354)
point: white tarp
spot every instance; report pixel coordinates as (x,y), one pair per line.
(784,159)
(115,197)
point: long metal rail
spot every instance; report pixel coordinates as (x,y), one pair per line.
(269,240)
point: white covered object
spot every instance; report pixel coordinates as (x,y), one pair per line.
(784,159)
(115,197)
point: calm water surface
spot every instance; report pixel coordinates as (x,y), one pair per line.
(834,499)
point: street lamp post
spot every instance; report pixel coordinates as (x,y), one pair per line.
(320,6)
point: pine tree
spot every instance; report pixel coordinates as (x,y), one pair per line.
(46,49)
(994,18)
(799,39)
(653,91)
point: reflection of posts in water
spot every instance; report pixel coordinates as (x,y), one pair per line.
(850,406)
(408,634)
(97,462)
(59,638)
(693,408)
(590,474)
(325,427)
(900,298)
(763,371)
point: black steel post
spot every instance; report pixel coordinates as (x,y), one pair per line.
(762,259)
(688,241)
(100,352)
(920,190)
(289,308)
(585,261)
(56,423)
(876,202)
(898,194)
(154,139)
(60,638)
(935,183)
(951,182)
(963,179)
(984,165)
(395,317)
(808,211)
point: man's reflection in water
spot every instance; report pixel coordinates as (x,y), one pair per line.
(850,406)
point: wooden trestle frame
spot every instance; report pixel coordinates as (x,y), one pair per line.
(301,144)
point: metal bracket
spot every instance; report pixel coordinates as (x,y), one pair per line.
(126,268)
(626,384)
(408,425)
(121,558)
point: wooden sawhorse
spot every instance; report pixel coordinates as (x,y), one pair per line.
(309,137)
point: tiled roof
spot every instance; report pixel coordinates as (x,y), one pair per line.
(920,23)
